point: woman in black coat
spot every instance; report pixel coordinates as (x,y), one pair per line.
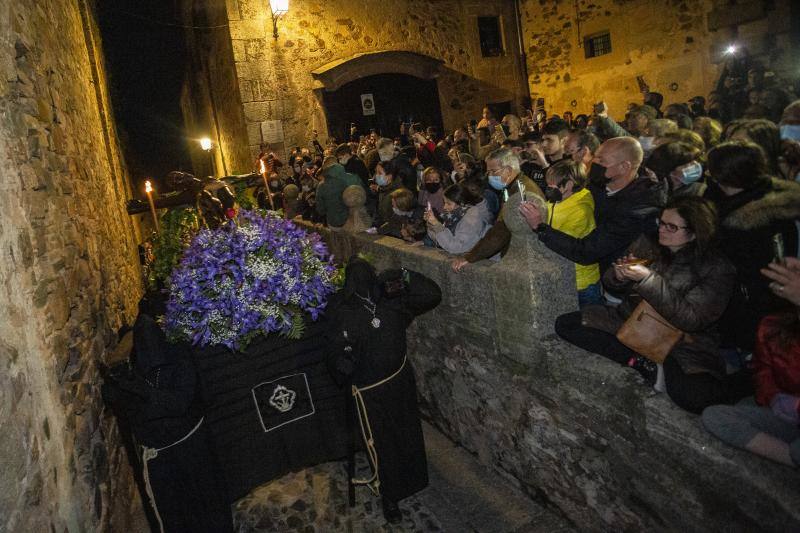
(755,210)
(368,350)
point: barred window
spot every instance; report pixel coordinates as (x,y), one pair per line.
(597,45)
(491,36)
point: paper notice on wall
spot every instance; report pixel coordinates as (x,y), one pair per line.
(368,104)
(272,131)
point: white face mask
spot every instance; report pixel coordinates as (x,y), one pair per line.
(647,143)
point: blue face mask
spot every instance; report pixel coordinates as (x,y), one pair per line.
(690,172)
(381,180)
(497,183)
(790,132)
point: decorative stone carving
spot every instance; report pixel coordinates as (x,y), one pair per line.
(354,198)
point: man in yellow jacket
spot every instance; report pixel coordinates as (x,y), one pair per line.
(571,210)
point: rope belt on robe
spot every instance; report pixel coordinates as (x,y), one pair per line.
(374,482)
(152,453)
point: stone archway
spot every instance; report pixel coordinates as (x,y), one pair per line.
(387,74)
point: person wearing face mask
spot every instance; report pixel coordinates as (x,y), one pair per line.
(385,184)
(503,168)
(383,152)
(677,162)
(402,201)
(465,218)
(789,162)
(432,191)
(329,193)
(571,210)
(625,207)
(580,146)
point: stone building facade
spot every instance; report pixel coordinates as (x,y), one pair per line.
(68,274)
(324,44)
(676,45)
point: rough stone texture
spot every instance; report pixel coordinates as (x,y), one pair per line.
(210,100)
(68,275)
(462,496)
(354,197)
(275,76)
(666,41)
(573,428)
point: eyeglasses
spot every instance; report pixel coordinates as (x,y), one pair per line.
(671,228)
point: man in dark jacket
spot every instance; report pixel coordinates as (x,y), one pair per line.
(352,165)
(627,208)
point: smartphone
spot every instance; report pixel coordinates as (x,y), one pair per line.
(779,251)
(540,103)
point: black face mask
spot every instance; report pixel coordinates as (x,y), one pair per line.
(597,174)
(432,187)
(553,195)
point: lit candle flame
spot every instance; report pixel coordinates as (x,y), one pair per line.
(147,187)
(263,167)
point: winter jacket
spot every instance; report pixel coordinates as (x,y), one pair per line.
(776,365)
(691,292)
(385,202)
(575,217)
(607,128)
(498,237)
(436,199)
(469,230)
(620,219)
(749,221)
(329,194)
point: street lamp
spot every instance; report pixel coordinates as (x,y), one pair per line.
(278,8)
(207,145)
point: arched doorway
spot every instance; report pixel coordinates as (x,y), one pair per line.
(403,88)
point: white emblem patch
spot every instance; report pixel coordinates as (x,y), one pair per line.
(282,399)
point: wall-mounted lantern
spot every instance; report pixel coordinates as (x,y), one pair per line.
(278,8)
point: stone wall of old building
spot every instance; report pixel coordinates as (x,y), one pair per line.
(275,75)
(68,274)
(210,100)
(677,45)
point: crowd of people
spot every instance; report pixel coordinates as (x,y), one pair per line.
(687,215)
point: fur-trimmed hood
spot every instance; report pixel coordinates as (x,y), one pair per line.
(781,201)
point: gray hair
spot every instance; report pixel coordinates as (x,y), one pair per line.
(506,157)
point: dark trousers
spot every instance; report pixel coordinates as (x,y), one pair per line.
(692,392)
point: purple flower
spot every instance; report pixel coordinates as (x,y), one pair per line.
(255,277)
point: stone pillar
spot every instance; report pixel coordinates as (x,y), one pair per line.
(534,285)
(355,197)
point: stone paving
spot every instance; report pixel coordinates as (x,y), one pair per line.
(463,497)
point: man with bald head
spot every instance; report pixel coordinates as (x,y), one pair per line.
(626,205)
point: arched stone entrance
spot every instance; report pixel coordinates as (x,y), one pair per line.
(403,85)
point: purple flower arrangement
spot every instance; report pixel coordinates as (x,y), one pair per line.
(252,276)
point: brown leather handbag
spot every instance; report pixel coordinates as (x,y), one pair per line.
(649,334)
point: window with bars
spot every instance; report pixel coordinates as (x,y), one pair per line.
(597,45)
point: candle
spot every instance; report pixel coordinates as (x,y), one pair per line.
(266,184)
(149,190)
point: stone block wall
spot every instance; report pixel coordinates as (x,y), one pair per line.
(574,430)
(668,42)
(275,76)
(68,274)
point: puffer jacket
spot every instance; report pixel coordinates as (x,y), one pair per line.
(329,194)
(575,217)
(691,292)
(749,221)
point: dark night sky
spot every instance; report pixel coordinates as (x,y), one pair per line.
(145,64)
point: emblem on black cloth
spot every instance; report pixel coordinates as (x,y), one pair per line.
(283,400)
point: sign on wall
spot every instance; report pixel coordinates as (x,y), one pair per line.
(368,104)
(272,131)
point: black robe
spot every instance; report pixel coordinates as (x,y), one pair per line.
(367,355)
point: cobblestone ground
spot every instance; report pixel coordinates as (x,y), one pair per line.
(463,497)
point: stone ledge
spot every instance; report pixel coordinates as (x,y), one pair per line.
(572,427)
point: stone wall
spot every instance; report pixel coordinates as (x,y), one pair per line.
(668,42)
(68,274)
(275,76)
(210,100)
(573,429)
